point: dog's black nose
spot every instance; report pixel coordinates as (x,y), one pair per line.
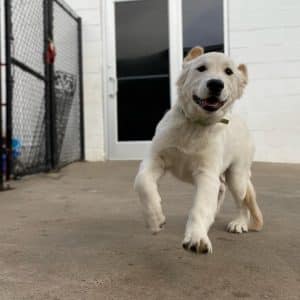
(215,86)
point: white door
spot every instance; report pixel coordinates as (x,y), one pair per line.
(144,57)
(144,45)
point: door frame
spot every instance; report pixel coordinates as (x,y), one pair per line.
(175,62)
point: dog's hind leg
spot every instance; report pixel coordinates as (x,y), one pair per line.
(222,192)
(250,202)
(146,186)
(244,195)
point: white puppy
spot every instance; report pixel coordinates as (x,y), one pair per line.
(201,142)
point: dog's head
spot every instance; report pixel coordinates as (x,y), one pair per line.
(209,84)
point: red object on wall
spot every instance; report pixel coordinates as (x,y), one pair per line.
(51,53)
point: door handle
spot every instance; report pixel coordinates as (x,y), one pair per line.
(113,87)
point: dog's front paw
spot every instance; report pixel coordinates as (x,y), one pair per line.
(198,243)
(155,222)
(239,225)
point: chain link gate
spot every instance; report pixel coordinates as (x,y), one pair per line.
(44,113)
(68,85)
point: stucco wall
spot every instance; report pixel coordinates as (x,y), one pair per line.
(262,34)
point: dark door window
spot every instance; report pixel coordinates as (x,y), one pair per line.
(203,24)
(142,42)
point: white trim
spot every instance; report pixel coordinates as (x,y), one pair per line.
(104,76)
(226,26)
(108,17)
(175,45)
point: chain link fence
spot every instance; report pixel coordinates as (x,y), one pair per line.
(67,84)
(44,86)
(28,86)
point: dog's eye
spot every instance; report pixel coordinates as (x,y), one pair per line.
(202,68)
(228,71)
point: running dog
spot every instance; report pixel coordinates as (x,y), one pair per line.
(201,142)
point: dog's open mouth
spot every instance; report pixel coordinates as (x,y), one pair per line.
(209,104)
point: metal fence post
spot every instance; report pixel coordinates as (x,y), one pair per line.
(9,88)
(81,89)
(51,90)
(46,5)
(2,152)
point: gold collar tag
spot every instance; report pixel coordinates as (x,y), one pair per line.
(224,121)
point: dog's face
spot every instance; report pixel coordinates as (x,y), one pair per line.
(209,84)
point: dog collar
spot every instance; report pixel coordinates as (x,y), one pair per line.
(201,122)
(223,121)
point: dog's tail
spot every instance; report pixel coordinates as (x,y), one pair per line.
(250,202)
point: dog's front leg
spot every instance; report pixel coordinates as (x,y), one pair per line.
(202,214)
(145,185)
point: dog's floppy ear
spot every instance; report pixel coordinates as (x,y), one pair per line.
(193,53)
(182,78)
(244,73)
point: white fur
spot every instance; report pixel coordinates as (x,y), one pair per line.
(203,154)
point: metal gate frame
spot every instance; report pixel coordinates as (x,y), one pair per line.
(51,159)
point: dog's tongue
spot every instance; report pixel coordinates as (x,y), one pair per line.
(211,101)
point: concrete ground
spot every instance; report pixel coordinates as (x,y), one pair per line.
(79,234)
